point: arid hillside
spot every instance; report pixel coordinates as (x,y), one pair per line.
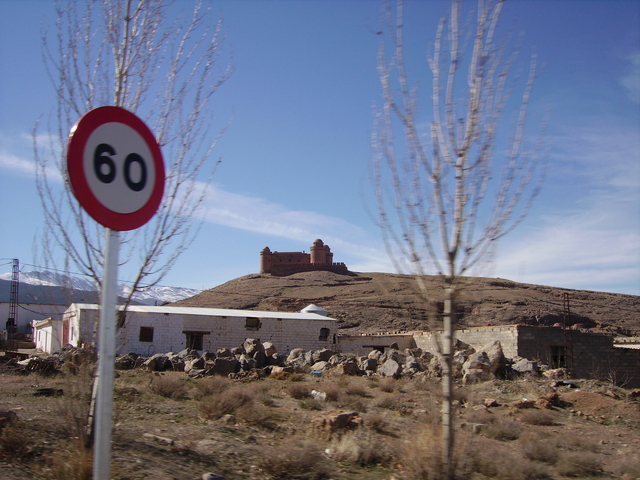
(383,302)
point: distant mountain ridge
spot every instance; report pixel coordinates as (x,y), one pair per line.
(61,289)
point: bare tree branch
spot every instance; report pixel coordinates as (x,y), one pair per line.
(128,53)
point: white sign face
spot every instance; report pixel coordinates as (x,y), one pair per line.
(115,168)
(118,166)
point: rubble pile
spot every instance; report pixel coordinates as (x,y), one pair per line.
(255,359)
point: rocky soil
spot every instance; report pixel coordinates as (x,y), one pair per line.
(383,302)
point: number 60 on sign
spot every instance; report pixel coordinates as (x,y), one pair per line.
(115,168)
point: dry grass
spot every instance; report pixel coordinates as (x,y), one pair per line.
(169,386)
(70,462)
(540,449)
(364,447)
(299,391)
(228,402)
(503,429)
(212,385)
(268,432)
(579,465)
(537,417)
(297,459)
(18,441)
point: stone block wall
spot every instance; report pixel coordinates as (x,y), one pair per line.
(363,344)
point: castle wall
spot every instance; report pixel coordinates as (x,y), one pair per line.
(288,263)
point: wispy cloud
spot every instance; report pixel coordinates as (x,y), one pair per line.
(631,79)
(593,240)
(261,216)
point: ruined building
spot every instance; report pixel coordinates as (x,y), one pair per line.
(287,263)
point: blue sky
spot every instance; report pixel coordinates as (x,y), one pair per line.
(296,155)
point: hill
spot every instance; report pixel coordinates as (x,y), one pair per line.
(383,302)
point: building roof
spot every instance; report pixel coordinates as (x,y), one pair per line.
(212,312)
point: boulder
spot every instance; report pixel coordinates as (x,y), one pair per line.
(390,368)
(277,370)
(224,366)
(350,367)
(320,366)
(496,357)
(369,364)
(252,345)
(260,359)
(477,368)
(224,353)
(156,363)
(322,355)
(525,366)
(295,354)
(247,362)
(208,356)
(197,363)
(269,349)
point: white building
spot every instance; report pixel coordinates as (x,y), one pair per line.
(150,329)
(47,334)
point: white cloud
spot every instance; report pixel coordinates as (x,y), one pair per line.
(631,79)
(591,238)
(261,216)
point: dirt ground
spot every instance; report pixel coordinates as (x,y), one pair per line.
(168,426)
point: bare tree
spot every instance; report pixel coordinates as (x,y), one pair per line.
(131,54)
(448,186)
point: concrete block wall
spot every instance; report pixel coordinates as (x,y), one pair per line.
(476,337)
(167,334)
(363,344)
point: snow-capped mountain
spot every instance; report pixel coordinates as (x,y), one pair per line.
(152,296)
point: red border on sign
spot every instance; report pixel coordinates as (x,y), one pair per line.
(78,138)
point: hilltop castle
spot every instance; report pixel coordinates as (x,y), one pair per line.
(287,263)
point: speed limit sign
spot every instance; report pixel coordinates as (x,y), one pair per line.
(115,168)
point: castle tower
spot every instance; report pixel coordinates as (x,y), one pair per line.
(320,253)
(266,260)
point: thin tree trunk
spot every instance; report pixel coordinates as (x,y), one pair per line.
(447,383)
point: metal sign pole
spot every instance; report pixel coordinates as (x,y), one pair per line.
(106,356)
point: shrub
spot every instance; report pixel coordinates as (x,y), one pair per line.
(17,440)
(539,449)
(71,462)
(537,417)
(333,392)
(362,448)
(169,386)
(503,465)
(390,402)
(298,391)
(227,402)
(212,385)
(310,404)
(297,460)
(356,391)
(388,385)
(378,424)
(503,429)
(579,465)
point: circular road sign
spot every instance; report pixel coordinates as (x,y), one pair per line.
(115,168)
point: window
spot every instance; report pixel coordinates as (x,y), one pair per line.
(558,358)
(252,323)
(324,334)
(146,334)
(194,341)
